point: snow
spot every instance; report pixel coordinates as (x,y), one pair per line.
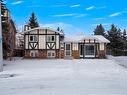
(101,39)
(81,38)
(121,60)
(44,28)
(64,77)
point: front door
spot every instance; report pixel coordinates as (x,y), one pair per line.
(81,50)
(89,50)
(68,49)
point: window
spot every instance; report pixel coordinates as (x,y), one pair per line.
(33,38)
(68,49)
(34,53)
(81,49)
(89,49)
(67,46)
(51,38)
(51,54)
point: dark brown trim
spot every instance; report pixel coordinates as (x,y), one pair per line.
(28,40)
(46,39)
(55,40)
(41,34)
(38,37)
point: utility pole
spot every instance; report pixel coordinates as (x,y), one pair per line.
(1,46)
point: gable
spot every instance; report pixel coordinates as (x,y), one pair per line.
(41,31)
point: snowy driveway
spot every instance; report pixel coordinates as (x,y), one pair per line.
(64,77)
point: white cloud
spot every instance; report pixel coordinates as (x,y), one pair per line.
(115,14)
(76,15)
(17,2)
(104,24)
(99,18)
(90,8)
(73,6)
(57,24)
(64,15)
(69,29)
(80,15)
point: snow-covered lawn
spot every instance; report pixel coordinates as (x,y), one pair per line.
(64,77)
(121,60)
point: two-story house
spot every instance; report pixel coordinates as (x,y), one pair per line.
(42,43)
(48,43)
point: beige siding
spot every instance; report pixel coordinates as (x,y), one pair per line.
(26,42)
(75,46)
(33,32)
(91,40)
(42,42)
(87,41)
(101,46)
(42,31)
(57,41)
(50,32)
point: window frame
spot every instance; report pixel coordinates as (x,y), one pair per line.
(34,37)
(50,39)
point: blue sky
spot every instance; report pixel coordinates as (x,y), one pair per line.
(73,16)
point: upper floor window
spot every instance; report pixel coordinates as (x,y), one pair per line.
(33,38)
(50,38)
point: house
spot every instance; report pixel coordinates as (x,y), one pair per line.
(9,38)
(12,36)
(19,50)
(48,43)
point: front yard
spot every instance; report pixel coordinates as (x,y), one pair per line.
(64,77)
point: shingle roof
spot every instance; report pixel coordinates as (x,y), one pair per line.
(81,38)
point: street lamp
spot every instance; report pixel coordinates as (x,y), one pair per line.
(1,46)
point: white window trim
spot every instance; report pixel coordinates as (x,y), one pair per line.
(66,50)
(33,38)
(94,50)
(50,38)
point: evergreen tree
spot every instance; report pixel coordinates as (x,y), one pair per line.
(58,29)
(124,34)
(124,40)
(33,21)
(99,30)
(114,35)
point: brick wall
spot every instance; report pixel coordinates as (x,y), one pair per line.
(27,54)
(102,54)
(42,54)
(75,54)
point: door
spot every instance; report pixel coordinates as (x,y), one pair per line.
(81,50)
(51,54)
(68,49)
(89,50)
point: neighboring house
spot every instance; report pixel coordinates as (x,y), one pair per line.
(10,37)
(12,34)
(48,43)
(19,50)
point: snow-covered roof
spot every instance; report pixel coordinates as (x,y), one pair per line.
(44,28)
(80,38)
(74,38)
(101,39)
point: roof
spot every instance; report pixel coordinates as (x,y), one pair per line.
(81,38)
(44,29)
(73,38)
(101,39)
